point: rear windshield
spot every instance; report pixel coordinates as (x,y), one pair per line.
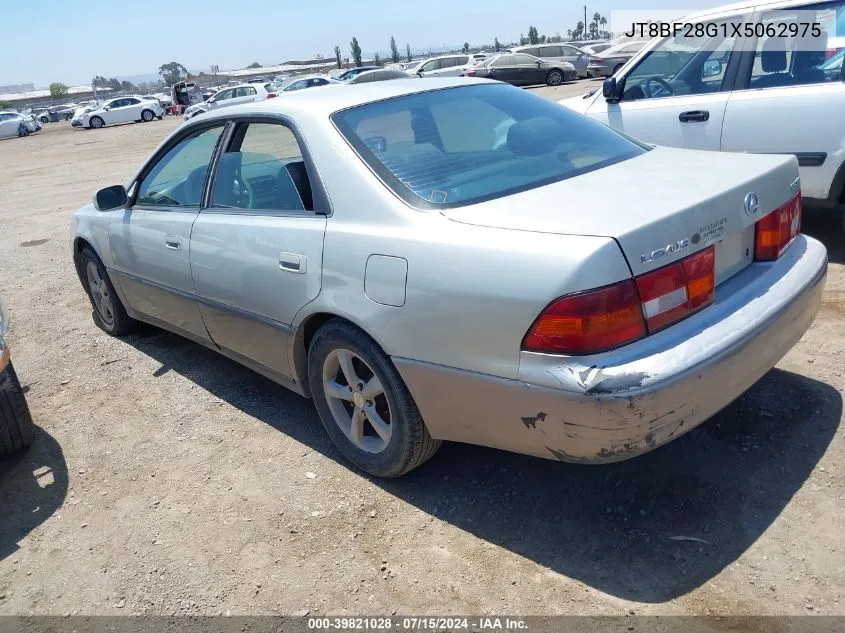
(456,146)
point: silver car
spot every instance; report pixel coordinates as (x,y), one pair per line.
(459,259)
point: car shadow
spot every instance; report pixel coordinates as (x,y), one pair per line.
(649,529)
(33,485)
(826,226)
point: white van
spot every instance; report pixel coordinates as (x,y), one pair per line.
(741,94)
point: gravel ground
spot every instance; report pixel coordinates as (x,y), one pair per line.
(167,480)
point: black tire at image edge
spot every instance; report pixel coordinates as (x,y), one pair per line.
(16,428)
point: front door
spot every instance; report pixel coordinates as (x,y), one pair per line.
(676,94)
(150,240)
(257,251)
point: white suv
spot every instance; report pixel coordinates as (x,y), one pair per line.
(760,94)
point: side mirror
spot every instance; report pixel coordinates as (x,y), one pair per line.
(539,63)
(612,90)
(712,68)
(113,197)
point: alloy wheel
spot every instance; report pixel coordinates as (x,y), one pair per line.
(100,294)
(357,400)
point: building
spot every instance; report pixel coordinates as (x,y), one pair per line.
(29,98)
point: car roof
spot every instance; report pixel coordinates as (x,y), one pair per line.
(329,99)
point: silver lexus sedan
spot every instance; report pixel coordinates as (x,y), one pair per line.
(458,259)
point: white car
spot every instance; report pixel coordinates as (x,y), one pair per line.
(765,95)
(16,124)
(117,110)
(443,66)
(569,293)
(245,93)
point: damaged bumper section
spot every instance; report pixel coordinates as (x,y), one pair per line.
(616,405)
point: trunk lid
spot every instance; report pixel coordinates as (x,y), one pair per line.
(660,207)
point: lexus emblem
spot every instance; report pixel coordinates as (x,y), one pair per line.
(751,204)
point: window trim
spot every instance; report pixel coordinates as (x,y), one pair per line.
(135,184)
(738,51)
(319,196)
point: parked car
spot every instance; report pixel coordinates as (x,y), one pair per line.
(16,428)
(777,98)
(57,113)
(520,69)
(610,60)
(399,252)
(309,81)
(379,74)
(15,124)
(557,52)
(443,66)
(245,93)
(351,73)
(595,49)
(117,110)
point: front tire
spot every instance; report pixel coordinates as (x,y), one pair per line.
(109,314)
(147,116)
(96,122)
(554,78)
(44,119)
(364,404)
(16,428)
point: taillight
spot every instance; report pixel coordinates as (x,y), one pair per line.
(776,231)
(609,317)
(588,322)
(469,73)
(270,95)
(676,291)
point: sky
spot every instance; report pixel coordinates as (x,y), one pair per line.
(72,42)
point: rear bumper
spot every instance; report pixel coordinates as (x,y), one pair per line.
(77,123)
(613,406)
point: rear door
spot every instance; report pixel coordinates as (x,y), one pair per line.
(257,250)
(575,57)
(676,94)
(505,69)
(528,71)
(790,98)
(9,125)
(150,240)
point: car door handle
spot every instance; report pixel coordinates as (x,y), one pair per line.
(693,116)
(292,262)
(173,242)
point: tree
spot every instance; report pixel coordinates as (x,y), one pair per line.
(377,60)
(578,31)
(465,49)
(533,36)
(496,44)
(355,49)
(603,22)
(569,34)
(522,40)
(172,72)
(394,51)
(337,57)
(254,65)
(58,90)
(408,52)
(5,105)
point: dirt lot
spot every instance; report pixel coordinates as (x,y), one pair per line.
(166,479)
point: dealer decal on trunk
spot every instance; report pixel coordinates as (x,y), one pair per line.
(705,236)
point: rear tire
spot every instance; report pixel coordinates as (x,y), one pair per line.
(147,115)
(616,69)
(109,314)
(96,122)
(554,78)
(16,428)
(395,439)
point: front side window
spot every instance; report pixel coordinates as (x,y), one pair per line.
(680,66)
(262,170)
(178,178)
(457,146)
(434,64)
(795,61)
(524,60)
(550,51)
(131,102)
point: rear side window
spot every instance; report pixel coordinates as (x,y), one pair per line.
(550,51)
(262,170)
(453,147)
